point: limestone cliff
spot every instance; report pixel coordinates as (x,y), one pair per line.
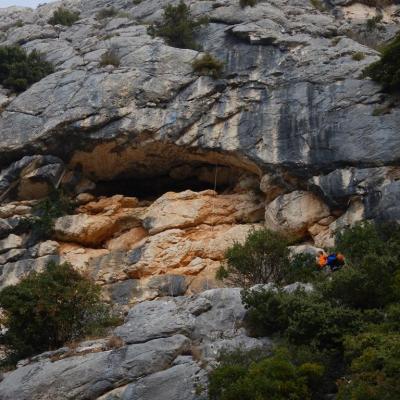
(167,169)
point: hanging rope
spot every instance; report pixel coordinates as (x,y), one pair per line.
(214,196)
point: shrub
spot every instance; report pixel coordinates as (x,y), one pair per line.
(386,71)
(263,258)
(372,276)
(47,309)
(62,16)
(372,23)
(375,367)
(178,27)
(358,56)
(247,3)
(110,57)
(19,70)
(208,65)
(302,268)
(275,377)
(318,5)
(108,12)
(47,210)
(300,317)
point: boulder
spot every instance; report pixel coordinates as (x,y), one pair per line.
(188,208)
(90,375)
(11,242)
(295,212)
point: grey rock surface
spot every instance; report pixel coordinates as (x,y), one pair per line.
(291,100)
(162,339)
(92,374)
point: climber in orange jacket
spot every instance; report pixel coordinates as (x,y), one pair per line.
(322,259)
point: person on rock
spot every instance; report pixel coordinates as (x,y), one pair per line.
(335,261)
(322,259)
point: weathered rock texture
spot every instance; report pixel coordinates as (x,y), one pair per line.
(169,169)
(291,105)
(139,250)
(166,346)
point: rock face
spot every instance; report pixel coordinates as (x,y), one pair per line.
(291,104)
(168,169)
(167,344)
(139,250)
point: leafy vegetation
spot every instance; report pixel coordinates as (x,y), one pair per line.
(63,16)
(318,4)
(358,56)
(264,257)
(386,71)
(244,376)
(349,325)
(178,27)
(108,12)
(48,309)
(373,22)
(19,70)
(46,211)
(247,3)
(208,65)
(110,57)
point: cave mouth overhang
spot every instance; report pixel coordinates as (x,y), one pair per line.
(149,170)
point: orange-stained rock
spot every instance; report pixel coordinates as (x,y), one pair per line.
(186,252)
(188,209)
(127,240)
(99,221)
(109,204)
(295,212)
(79,256)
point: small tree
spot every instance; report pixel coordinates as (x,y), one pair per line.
(47,210)
(19,70)
(386,71)
(178,27)
(62,16)
(263,258)
(46,310)
(208,65)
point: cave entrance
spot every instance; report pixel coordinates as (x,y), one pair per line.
(150,171)
(151,189)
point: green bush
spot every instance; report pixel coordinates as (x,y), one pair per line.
(386,71)
(19,70)
(373,22)
(178,27)
(247,3)
(374,369)
(108,12)
(275,377)
(302,268)
(208,65)
(62,16)
(318,4)
(372,276)
(263,258)
(299,317)
(110,57)
(47,210)
(358,56)
(47,309)
(349,323)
